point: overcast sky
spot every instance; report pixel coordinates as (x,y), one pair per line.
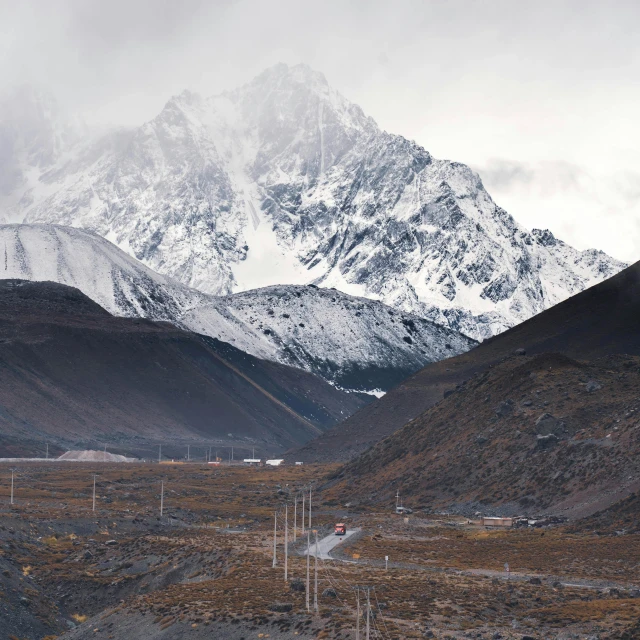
(542,98)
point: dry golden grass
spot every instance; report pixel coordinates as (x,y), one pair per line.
(213,576)
(529,551)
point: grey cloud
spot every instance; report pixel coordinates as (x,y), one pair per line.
(546,177)
(501,85)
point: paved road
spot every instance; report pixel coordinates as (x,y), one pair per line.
(326,544)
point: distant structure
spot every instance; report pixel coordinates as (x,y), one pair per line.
(298,464)
(497,522)
(274,463)
(94,456)
(252,461)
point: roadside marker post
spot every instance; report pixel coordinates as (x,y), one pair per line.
(275,535)
(386,563)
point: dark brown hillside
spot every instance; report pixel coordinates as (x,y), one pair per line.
(530,435)
(600,321)
(71,374)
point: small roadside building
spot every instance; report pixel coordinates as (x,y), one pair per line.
(252,461)
(274,463)
(503,523)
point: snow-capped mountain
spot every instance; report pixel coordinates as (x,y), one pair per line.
(103,272)
(355,343)
(284,181)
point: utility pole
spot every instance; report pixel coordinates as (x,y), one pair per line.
(232,453)
(315,577)
(47,454)
(357,613)
(303,497)
(104,456)
(295,516)
(12,471)
(159,453)
(286,542)
(309,507)
(188,452)
(397,498)
(161,498)
(368,611)
(308,562)
(275,535)
(94,493)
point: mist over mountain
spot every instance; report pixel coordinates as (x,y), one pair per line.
(284,181)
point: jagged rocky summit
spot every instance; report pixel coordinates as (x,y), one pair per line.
(284,181)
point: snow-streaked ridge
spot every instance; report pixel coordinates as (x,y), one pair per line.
(354,343)
(284,181)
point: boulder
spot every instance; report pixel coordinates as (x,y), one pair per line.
(281,607)
(592,385)
(546,442)
(297,585)
(504,409)
(548,424)
(329,593)
(520,352)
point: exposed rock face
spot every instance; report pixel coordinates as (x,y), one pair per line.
(284,181)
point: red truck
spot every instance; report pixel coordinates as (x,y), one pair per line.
(340,529)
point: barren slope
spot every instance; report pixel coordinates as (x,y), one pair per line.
(530,435)
(599,321)
(72,373)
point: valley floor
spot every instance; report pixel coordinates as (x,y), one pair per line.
(204,568)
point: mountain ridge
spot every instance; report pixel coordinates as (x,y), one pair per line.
(284,181)
(73,373)
(353,343)
(593,324)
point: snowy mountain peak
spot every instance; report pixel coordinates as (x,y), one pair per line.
(284,181)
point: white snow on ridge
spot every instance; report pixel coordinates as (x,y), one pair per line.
(353,343)
(284,181)
(334,332)
(116,281)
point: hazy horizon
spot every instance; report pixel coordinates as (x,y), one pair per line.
(537,99)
